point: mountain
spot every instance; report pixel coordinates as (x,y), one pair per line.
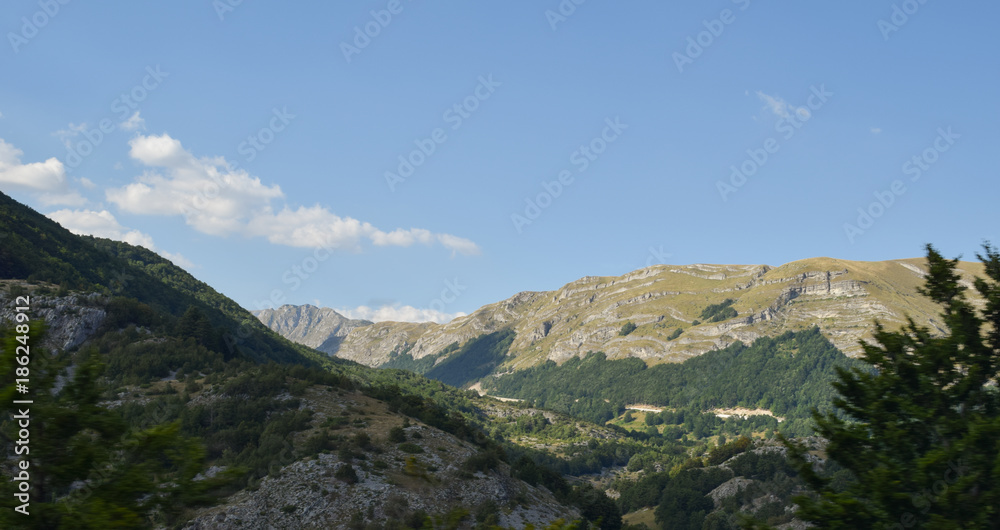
(159,402)
(319,328)
(678,312)
(151,395)
(35,249)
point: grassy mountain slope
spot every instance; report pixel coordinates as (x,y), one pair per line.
(842,297)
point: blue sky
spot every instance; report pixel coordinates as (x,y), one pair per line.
(415,160)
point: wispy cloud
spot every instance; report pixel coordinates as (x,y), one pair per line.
(781,108)
(876,130)
(220,201)
(134,123)
(71,131)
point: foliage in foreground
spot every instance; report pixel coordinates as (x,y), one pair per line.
(922,437)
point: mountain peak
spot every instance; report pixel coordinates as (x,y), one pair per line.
(713,306)
(321,328)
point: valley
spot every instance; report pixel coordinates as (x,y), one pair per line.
(654,399)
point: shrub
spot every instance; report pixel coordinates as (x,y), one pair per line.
(397,435)
(482,461)
(726,451)
(362,440)
(411,448)
(347,474)
(719,312)
(629,327)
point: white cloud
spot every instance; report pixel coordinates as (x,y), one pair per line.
(68,198)
(47,176)
(876,130)
(177,259)
(458,244)
(403,238)
(161,151)
(104,224)
(217,200)
(781,108)
(399,313)
(87,183)
(135,122)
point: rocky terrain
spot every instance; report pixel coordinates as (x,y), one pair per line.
(70,319)
(320,328)
(426,473)
(842,297)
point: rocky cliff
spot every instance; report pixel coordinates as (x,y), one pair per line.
(321,328)
(843,298)
(69,319)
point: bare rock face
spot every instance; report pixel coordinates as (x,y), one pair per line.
(70,320)
(388,483)
(374,345)
(321,328)
(843,298)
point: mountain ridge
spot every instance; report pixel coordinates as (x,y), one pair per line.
(842,297)
(320,328)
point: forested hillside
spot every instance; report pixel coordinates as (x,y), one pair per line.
(36,249)
(175,399)
(787,375)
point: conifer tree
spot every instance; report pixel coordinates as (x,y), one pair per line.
(921,429)
(87,468)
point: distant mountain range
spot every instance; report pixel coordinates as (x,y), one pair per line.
(712,306)
(321,328)
(310,440)
(306,441)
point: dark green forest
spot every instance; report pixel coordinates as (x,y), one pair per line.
(788,375)
(37,249)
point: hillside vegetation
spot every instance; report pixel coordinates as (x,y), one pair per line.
(788,375)
(36,249)
(160,397)
(675,312)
